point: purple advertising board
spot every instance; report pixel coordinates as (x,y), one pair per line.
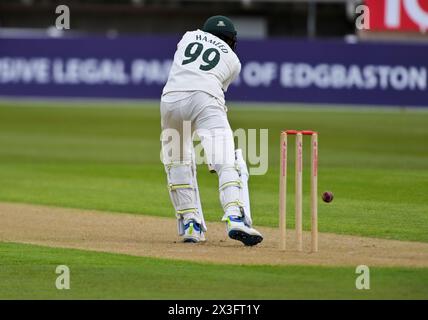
(274,70)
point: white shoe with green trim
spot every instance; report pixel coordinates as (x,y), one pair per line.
(238,230)
(193,232)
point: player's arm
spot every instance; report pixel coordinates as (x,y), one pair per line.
(233,75)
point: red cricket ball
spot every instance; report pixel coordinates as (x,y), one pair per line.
(327,196)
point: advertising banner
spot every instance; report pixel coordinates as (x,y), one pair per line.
(398,15)
(276,70)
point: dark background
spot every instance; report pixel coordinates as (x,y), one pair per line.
(324,18)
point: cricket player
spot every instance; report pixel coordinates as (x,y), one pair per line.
(192,102)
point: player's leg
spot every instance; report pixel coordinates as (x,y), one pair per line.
(213,128)
(177,156)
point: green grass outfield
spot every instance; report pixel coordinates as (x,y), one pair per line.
(28,272)
(106,157)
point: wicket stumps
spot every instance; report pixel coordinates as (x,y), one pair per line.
(298,188)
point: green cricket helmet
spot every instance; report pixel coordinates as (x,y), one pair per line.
(223,28)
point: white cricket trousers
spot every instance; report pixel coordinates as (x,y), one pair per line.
(186,113)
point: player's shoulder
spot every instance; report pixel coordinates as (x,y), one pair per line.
(193,32)
(191,35)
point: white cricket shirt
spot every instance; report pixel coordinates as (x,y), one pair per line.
(202,62)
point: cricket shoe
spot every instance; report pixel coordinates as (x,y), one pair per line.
(238,230)
(193,232)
